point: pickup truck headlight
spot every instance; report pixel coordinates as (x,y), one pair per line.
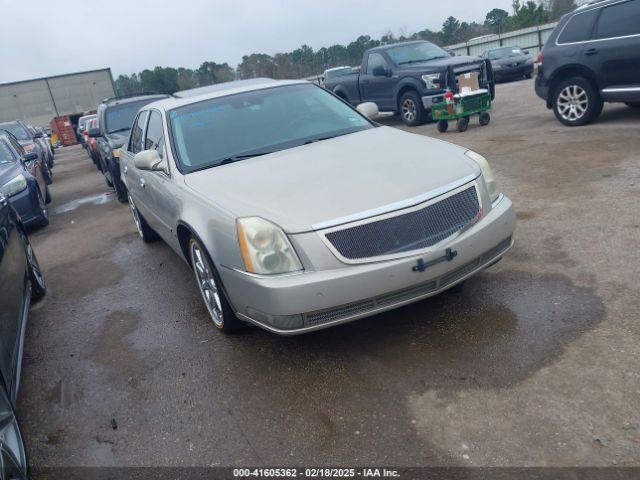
(16,185)
(432,81)
(487,173)
(265,248)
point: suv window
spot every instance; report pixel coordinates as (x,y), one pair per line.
(135,143)
(6,155)
(579,27)
(619,20)
(155,134)
(375,60)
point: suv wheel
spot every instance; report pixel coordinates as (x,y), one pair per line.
(576,102)
(411,109)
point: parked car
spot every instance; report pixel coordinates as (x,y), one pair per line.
(29,139)
(510,63)
(115,117)
(92,144)
(296,212)
(21,282)
(82,128)
(46,139)
(22,182)
(592,57)
(408,78)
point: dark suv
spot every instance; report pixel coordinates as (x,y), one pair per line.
(115,117)
(592,57)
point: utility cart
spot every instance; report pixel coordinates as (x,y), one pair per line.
(463,99)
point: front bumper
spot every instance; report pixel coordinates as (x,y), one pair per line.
(330,297)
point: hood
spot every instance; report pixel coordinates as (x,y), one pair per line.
(328,180)
(443,63)
(118,139)
(9,171)
(510,60)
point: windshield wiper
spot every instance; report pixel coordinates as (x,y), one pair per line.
(237,158)
(413,61)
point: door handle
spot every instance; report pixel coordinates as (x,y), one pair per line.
(591,51)
(142,183)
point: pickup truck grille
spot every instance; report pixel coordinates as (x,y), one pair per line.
(408,231)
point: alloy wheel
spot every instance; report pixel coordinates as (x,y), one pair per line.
(43,206)
(136,216)
(207,284)
(409,110)
(573,102)
(11,447)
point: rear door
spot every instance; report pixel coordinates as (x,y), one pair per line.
(376,88)
(616,46)
(13,294)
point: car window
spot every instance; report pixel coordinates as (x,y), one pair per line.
(6,155)
(135,143)
(16,146)
(579,27)
(619,20)
(17,130)
(155,133)
(375,60)
(119,118)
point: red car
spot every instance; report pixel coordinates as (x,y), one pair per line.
(92,146)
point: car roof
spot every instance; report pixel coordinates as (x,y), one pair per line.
(109,102)
(195,95)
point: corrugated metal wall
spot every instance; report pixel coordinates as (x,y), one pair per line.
(38,101)
(531,39)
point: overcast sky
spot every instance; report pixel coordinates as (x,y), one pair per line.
(41,38)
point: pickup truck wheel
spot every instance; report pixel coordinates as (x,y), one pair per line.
(411,109)
(576,102)
(210,286)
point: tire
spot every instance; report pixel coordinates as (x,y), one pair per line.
(443,126)
(47,195)
(147,233)
(576,102)
(211,289)
(43,217)
(633,104)
(121,190)
(47,174)
(485,119)
(108,176)
(38,285)
(463,124)
(411,109)
(14,456)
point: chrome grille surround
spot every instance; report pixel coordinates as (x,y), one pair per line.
(406,232)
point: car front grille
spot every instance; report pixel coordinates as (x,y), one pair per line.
(409,231)
(371,305)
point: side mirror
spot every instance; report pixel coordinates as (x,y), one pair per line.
(150,160)
(94,132)
(369,110)
(30,157)
(380,71)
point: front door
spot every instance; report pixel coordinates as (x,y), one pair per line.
(378,88)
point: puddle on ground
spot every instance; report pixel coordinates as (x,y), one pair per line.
(99,199)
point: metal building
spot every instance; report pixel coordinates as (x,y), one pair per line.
(38,101)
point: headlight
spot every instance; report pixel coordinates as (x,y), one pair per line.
(265,248)
(13,186)
(487,173)
(29,147)
(432,81)
(116,153)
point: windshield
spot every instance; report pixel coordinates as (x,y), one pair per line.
(5,154)
(210,133)
(505,53)
(416,52)
(120,117)
(17,130)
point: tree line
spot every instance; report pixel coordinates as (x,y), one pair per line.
(305,61)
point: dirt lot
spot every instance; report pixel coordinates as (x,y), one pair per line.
(536,362)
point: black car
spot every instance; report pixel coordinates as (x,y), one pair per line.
(510,63)
(115,118)
(21,282)
(408,78)
(30,141)
(592,57)
(22,182)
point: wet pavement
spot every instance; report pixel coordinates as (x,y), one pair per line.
(535,362)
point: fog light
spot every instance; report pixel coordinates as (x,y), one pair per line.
(281,322)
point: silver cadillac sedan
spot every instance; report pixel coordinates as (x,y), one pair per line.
(297,212)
